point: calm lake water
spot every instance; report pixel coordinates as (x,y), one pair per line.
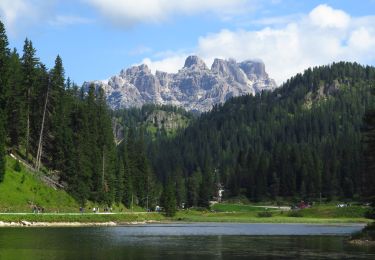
(184,241)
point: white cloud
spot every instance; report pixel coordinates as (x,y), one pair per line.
(11,10)
(64,20)
(271,21)
(325,16)
(169,64)
(290,48)
(127,13)
(18,14)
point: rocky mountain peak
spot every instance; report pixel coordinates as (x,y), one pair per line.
(195,87)
(140,69)
(194,61)
(254,69)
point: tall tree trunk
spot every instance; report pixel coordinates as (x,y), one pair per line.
(28,125)
(40,147)
(103,170)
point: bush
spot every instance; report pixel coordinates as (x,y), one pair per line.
(23,178)
(265,214)
(17,166)
(370,213)
(368,233)
(295,214)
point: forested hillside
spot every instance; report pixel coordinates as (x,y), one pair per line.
(59,129)
(155,121)
(301,140)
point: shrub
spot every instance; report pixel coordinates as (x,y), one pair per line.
(368,233)
(23,178)
(265,214)
(17,166)
(295,214)
(370,213)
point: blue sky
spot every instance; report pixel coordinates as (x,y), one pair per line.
(98,38)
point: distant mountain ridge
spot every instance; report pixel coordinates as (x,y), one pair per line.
(195,87)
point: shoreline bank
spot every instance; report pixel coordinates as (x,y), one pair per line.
(24,223)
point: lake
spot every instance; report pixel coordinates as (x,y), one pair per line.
(184,241)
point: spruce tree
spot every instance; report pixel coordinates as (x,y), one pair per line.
(120,182)
(29,72)
(368,176)
(4,59)
(168,199)
(14,102)
(4,56)
(2,148)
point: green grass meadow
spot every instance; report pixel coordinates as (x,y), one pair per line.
(22,189)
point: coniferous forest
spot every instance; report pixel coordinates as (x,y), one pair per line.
(301,141)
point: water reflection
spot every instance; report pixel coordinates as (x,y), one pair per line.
(197,241)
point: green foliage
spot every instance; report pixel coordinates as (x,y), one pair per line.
(295,214)
(4,57)
(155,121)
(370,213)
(48,121)
(17,166)
(332,211)
(273,145)
(168,199)
(2,148)
(368,141)
(226,207)
(20,190)
(368,233)
(265,214)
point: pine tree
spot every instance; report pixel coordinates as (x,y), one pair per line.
(2,148)
(58,125)
(120,182)
(4,59)
(368,178)
(4,56)
(206,187)
(181,192)
(168,199)
(194,183)
(29,72)
(14,106)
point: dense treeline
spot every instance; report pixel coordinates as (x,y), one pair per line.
(301,140)
(368,140)
(133,117)
(61,130)
(135,139)
(150,121)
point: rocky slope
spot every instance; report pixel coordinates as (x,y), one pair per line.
(195,87)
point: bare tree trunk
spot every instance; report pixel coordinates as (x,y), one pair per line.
(103,169)
(40,146)
(27,133)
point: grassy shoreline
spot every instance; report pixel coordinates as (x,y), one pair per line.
(183,217)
